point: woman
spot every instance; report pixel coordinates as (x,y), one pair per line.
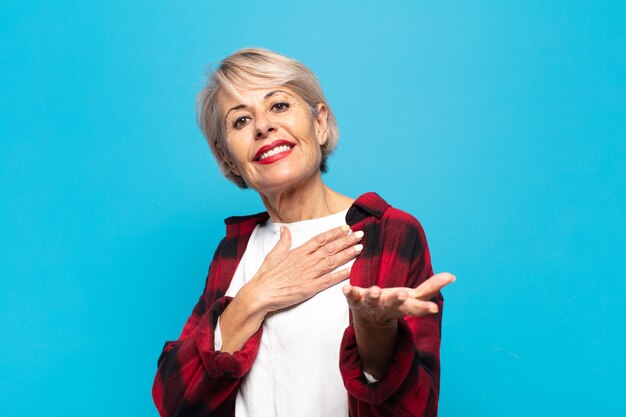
(278,330)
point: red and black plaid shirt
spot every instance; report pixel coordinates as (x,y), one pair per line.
(195,380)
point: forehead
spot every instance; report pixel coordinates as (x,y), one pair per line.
(249,95)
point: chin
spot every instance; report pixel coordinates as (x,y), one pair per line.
(284,179)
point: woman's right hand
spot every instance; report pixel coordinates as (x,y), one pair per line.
(288,277)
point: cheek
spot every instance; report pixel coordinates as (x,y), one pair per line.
(313,150)
(237,149)
(233,158)
(307,133)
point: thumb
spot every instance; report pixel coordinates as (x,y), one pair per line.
(282,246)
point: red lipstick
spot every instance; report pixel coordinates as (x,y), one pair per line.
(275,157)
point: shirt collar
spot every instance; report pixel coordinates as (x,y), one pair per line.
(368,204)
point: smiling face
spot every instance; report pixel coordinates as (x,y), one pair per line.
(272,138)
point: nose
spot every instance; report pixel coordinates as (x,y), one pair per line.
(263,126)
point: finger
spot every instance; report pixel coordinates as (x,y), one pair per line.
(324,238)
(340,244)
(432,285)
(352,294)
(330,262)
(372,296)
(413,307)
(281,248)
(333,278)
(388,298)
(394,299)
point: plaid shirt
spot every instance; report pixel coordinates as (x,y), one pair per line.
(195,380)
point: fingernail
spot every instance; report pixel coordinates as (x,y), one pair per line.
(358,247)
(345,227)
(359,234)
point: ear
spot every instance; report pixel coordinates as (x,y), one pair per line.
(321,123)
(224,156)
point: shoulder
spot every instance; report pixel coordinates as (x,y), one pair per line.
(393,220)
(239,229)
(395,217)
(389,228)
(396,245)
(403,233)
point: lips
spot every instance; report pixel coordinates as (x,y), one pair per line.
(273,151)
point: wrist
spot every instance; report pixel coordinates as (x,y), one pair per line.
(365,324)
(239,322)
(379,332)
(248,305)
(376,343)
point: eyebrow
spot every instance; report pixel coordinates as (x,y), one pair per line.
(268,95)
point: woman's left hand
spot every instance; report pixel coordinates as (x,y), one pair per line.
(375,312)
(379,306)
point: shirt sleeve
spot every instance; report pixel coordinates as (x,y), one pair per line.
(410,385)
(195,379)
(218,336)
(369,377)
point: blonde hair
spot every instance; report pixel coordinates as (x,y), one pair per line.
(258,68)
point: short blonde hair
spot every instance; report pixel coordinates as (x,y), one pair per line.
(258,68)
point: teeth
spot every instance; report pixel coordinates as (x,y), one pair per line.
(278,149)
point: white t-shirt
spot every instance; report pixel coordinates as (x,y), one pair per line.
(296,371)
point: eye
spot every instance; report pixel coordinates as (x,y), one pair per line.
(280,106)
(240,121)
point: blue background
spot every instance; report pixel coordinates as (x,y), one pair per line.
(500,125)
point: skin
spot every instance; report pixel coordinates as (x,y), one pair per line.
(291,189)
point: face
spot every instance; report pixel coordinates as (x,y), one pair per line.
(272,138)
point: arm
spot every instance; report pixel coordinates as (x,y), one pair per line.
(196,380)
(396,331)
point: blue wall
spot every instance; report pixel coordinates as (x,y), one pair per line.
(500,125)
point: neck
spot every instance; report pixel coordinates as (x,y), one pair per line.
(307,201)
